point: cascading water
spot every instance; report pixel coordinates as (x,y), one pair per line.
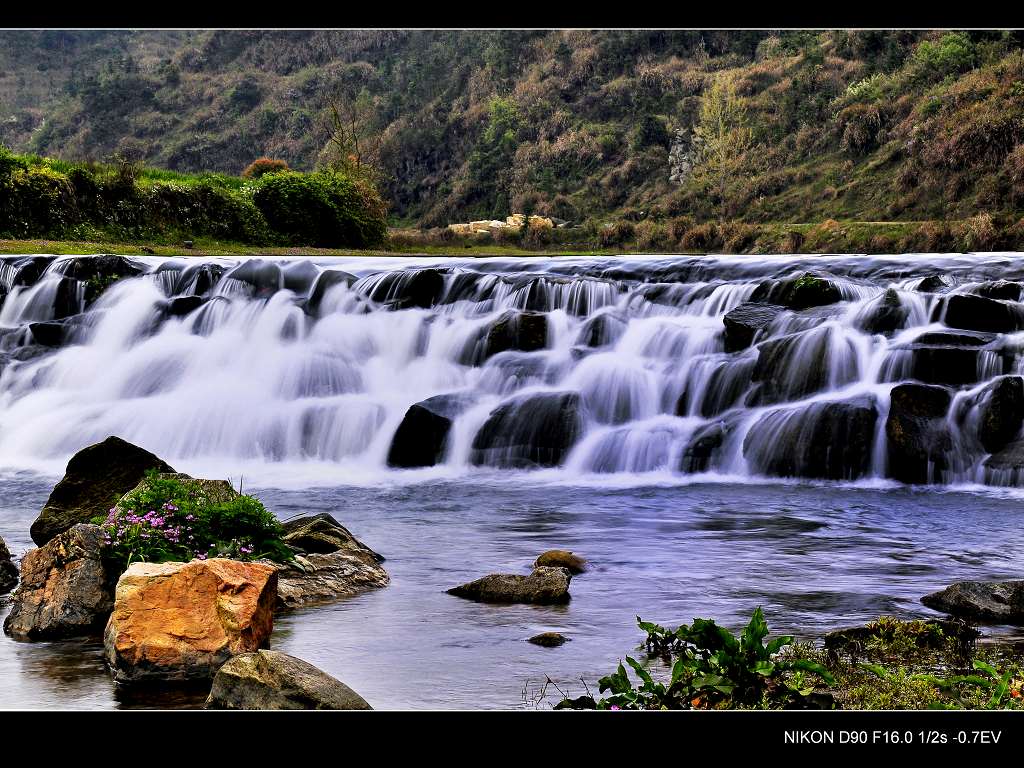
(838,368)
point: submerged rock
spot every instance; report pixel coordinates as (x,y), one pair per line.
(744,323)
(183,621)
(917,432)
(601,330)
(271,680)
(990,602)
(532,431)
(66,589)
(327,280)
(561,558)
(96,478)
(420,439)
(8,570)
(549,639)
(543,586)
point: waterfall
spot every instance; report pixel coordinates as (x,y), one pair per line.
(832,368)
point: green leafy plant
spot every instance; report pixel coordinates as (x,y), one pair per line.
(170,519)
(714,669)
(1002,688)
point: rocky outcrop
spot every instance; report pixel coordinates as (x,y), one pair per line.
(830,440)
(1001,412)
(272,680)
(8,570)
(420,439)
(745,322)
(95,479)
(66,588)
(989,602)
(532,431)
(183,621)
(800,291)
(977,313)
(561,558)
(330,564)
(917,432)
(543,586)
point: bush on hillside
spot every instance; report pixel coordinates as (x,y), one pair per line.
(325,209)
(263,165)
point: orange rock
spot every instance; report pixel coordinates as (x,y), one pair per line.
(182,621)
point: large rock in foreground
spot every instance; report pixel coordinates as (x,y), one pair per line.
(8,570)
(272,680)
(990,602)
(95,479)
(543,586)
(66,589)
(183,621)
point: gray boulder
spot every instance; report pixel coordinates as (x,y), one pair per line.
(745,322)
(8,570)
(66,588)
(544,586)
(989,602)
(271,680)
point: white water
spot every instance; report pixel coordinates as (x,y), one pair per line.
(251,382)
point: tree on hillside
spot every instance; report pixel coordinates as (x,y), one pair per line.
(353,142)
(721,139)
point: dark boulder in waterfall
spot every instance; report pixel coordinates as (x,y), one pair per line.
(544,586)
(699,454)
(720,391)
(199,279)
(1004,290)
(29,269)
(885,315)
(8,570)
(183,305)
(745,322)
(828,440)
(96,477)
(976,313)
(602,330)
(795,366)
(98,272)
(263,277)
(299,276)
(800,291)
(52,333)
(917,433)
(420,439)
(935,284)
(421,288)
(532,431)
(942,364)
(68,298)
(1001,412)
(327,280)
(989,602)
(1006,466)
(955,339)
(513,330)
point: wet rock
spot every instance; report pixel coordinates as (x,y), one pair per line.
(271,680)
(322,534)
(532,431)
(1006,466)
(885,315)
(579,703)
(30,269)
(68,298)
(601,330)
(976,313)
(800,291)
(953,366)
(264,277)
(549,639)
(935,284)
(561,558)
(98,272)
(792,367)
(723,389)
(522,331)
(421,288)
(705,443)
(183,621)
(955,339)
(745,322)
(421,438)
(327,280)
(51,333)
(199,279)
(183,305)
(917,433)
(66,588)
(543,586)
(299,276)
(96,478)
(1003,290)
(316,578)
(831,440)
(8,570)
(1001,412)
(990,602)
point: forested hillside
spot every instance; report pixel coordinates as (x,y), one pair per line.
(637,125)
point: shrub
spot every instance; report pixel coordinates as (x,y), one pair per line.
(952,54)
(36,201)
(701,237)
(263,165)
(653,236)
(861,125)
(978,233)
(167,519)
(326,209)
